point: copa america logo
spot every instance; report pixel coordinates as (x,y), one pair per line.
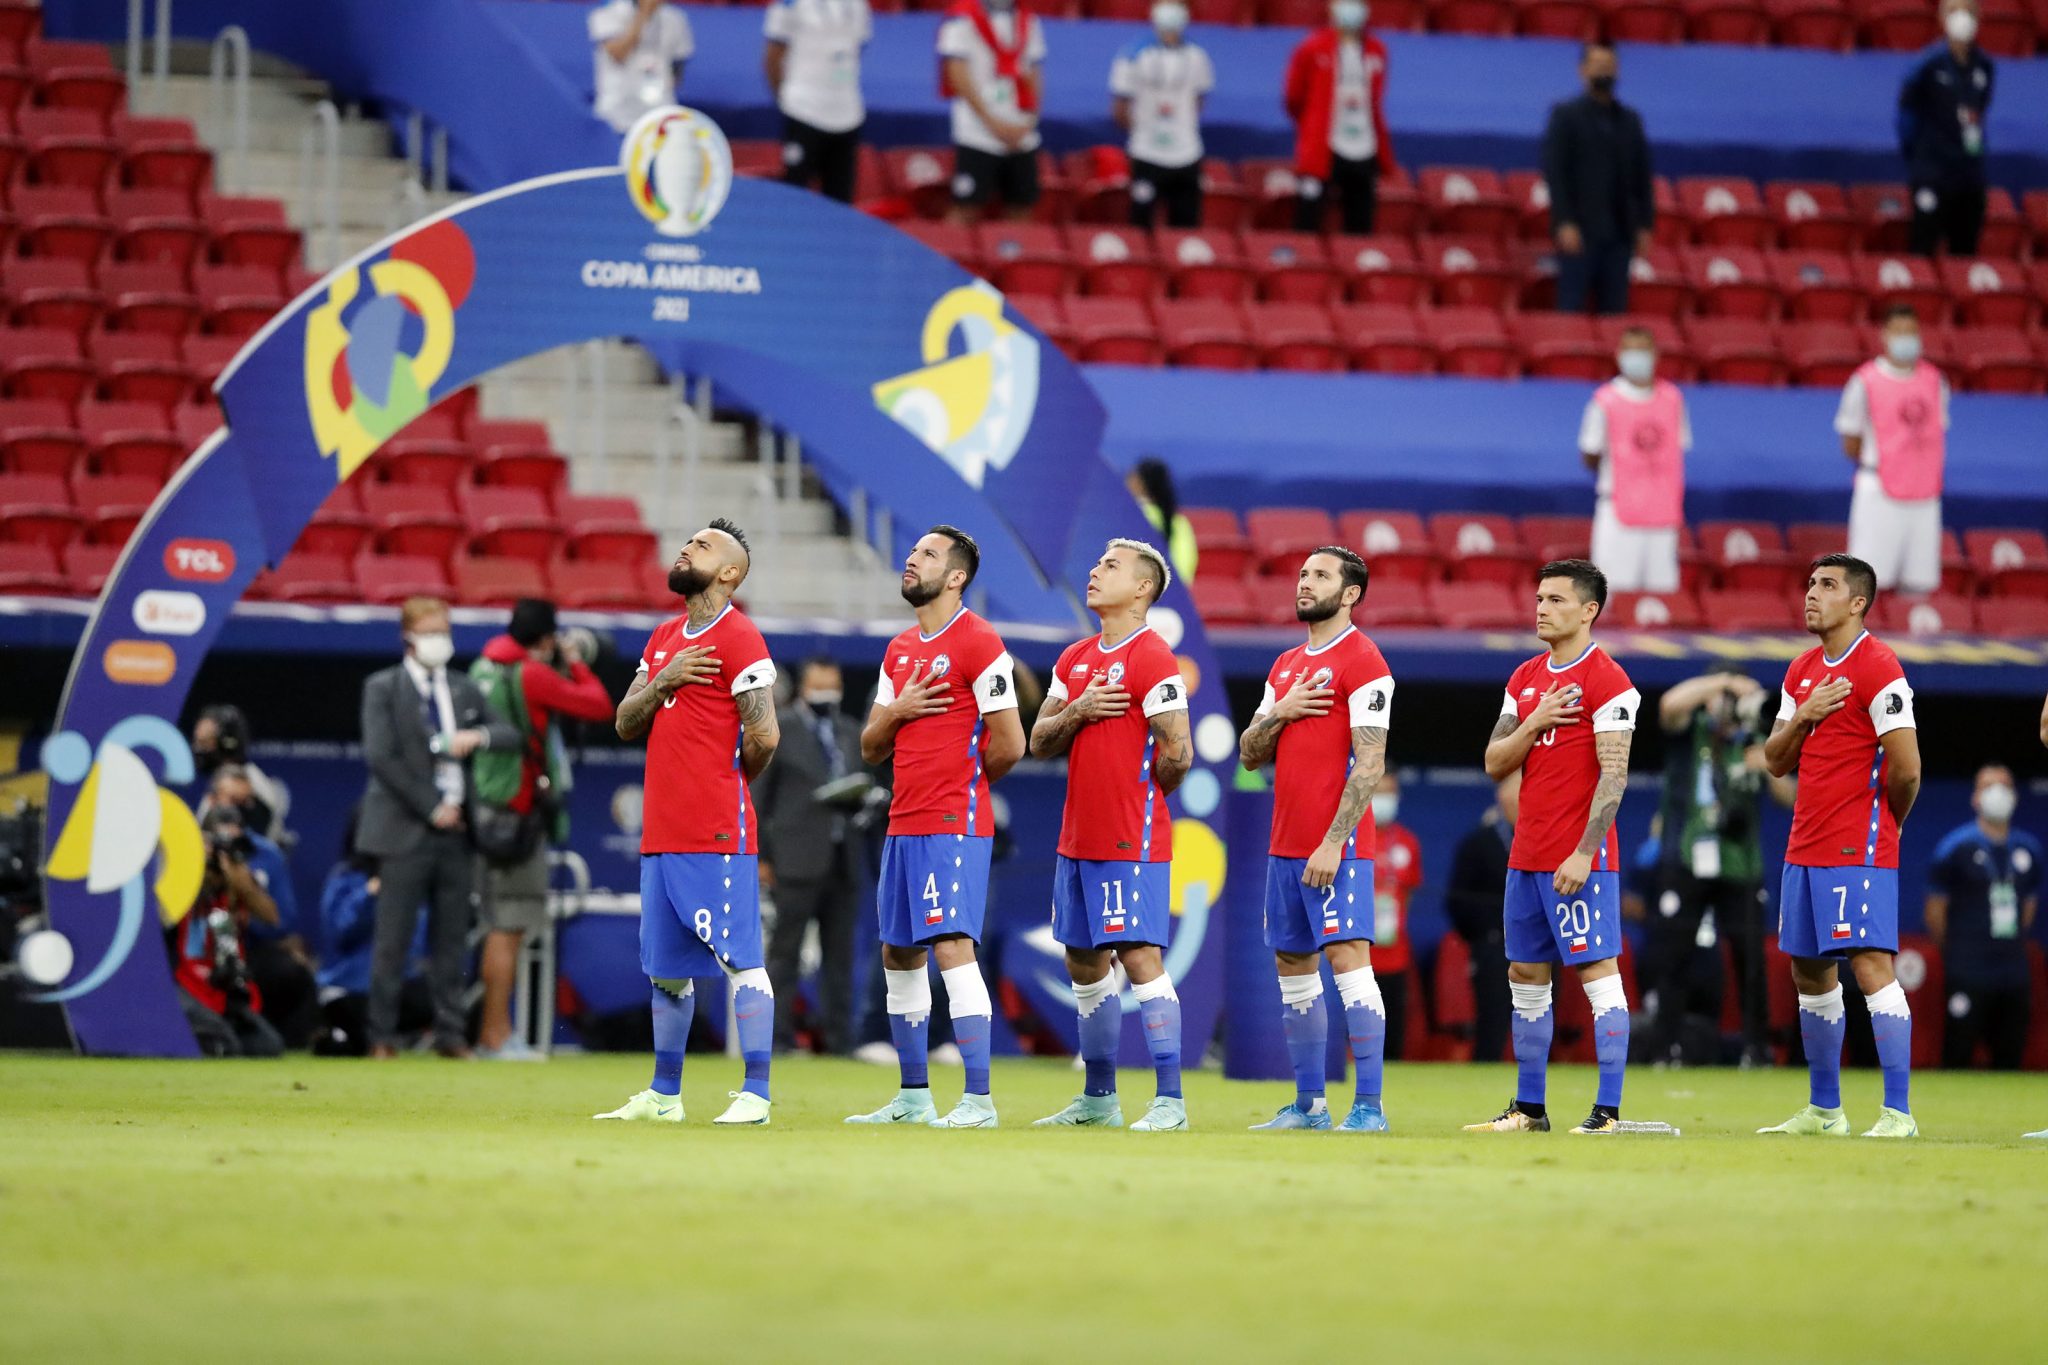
(678,169)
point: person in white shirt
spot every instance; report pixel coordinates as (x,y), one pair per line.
(813,64)
(1158,87)
(1893,422)
(990,65)
(1634,435)
(638,47)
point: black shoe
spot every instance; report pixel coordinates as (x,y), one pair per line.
(1601,1120)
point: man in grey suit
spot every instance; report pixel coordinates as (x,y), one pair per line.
(420,725)
(812,853)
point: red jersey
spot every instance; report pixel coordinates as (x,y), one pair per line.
(1115,812)
(1840,817)
(1396,873)
(1313,759)
(1562,770)
(696,798)
(941,787)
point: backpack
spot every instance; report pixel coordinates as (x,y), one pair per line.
(504,836)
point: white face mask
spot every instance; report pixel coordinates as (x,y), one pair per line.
(1903,351)
(1170,18)
(1995,803)
(1349,15)
(823,699)
(433,651)
(1960,25)
(1637,365)
(1385,806)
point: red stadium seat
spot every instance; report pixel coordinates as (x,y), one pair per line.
(251,232)
(31,569)
(1818,286)
(237,299)
(140,367)
(1480,547)
(148,296)
(38,436)
(1736,351)
(2007,29)
(196,421)
(2015,618)
(1296,336)
(112,506)
(1991,293)
(951,240)
(2000,360)
(2004,235)
(67,146)
(922,175)
(1897,25)
(1113,331)
(414,519)
(1812,215)
(43,362)
(1117,261)
(513,521)
(310,577)
(1226,203)
(130,438)
(1467,271)
(1477,606)
(36,509)
(1379,270)
(1466,201)
(605,528)
(1394,605)
(2010,561)
(340,528)
(1386,338)
(1560,346)
(1557,537)
(1282,537)
(1226,550)
(1271,184)
(1823,354)
(1490,18)
(1472,342)
(207,356)
(1741,22)
(1048,315)
(1292,267)
(1652,611)
(387,580)
(1578,20)
(1883,211)
(1726,211)
(1733,282)
(1026,258)
(594,585)
(87,566)
(1746,610)
(1223,601)
(75,75)
(411,459)
(162,153)
(1393,543)
(1896,279)
(1812,23)
(496,580)
(1658,283)
(1643,21)
(1205,264)
(1675,360)
(522,461)
(1530,194)
(1211,333)
(62,221)
(1942,614)
(1747,555)
(1101,175)
(155,225)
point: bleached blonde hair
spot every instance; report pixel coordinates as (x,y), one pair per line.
(1150,558)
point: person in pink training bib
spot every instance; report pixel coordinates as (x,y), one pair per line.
(1894,424)
(1634,436)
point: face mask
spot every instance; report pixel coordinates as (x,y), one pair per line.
(433,651)
(1601,85)
(1170,18)
(1348,14)
(1385,806)
(1995,803)
(1637,365)
(1960,25)
(822,701)
(256,814)
(1903,351)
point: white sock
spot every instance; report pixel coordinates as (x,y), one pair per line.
(1890,999)
(1606,994)
(1531,1002)
(1299,993)
(753,978)
(1828,1004)
(966,992)
(908,994)
(1088,996)
(1361,988)
(1159,987)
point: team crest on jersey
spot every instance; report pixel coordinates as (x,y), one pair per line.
(941,666)
(1321,677)
(1115,674)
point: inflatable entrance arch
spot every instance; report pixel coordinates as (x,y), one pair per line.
(901,374)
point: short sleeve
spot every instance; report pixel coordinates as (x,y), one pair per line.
(1619,713)
(1267,701)
(1372,703)
(1508,706)
(1852,418)
(778,22)
(1593,429)
(956,38)
(1786,706)
(996,688)
(1122,79)
(760,673)
(1034,49)
(607,22)
(1892,708)
(1056,686)
(1168,694)
(682,43)
(885,688)
(1205,73)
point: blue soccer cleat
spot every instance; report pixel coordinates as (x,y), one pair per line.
(1291,1118)
(1364,1118)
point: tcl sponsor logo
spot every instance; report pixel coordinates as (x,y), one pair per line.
(140,663)
(161,611)
(199,561)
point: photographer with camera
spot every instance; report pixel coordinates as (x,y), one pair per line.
(222,1000)
(220,738)
(1711,859)
(276,951)
(531,677)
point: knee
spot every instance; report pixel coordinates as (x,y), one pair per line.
(1529,973)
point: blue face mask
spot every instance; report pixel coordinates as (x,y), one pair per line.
(1903,351)
(1637,365)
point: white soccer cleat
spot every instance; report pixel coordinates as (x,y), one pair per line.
(747,1110)
(648,1107)
(1166,1115)
(973,1111)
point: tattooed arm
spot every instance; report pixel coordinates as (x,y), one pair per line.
(760,731)
(1172,755)
(1255,747)
(1060,719)
(1612,746)
(1511,740)
(1368,765)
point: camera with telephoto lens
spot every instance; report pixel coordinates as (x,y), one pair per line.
(229,974)
(225,836)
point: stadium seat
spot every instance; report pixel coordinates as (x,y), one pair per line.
(1270,184)
(1116,261)
(1477,605)
(2034,216)
(140,367)
(1394,544)
(1652,611)
(1658,284)
(251,232)
(1226,204)
(1898,278)
(1206,332)
(1226,552)
(1560,346)
(43,362)
(1101,175)
(1480,547)
(1386,338)
(339,528)
(1472,342)
(148,296)
(1282,537)
(921,175)
(110,507)
(162,153)
(207,356)
(2014,618)
(595,585)
(1812,215)
(414,519)
(319,579)
(1991,293)
(1941,614)
(1897,25)
(50,293)
(129,438)
(1746,610)
(517,453)
(1113,331)
(1205,264)
(1379,270)
(1397,604)
(38,436)
(1048,315)
(441,461)
(1466,201)
(1726,211)
(605,528)
(37,509)
(1530,195)
(2009,561)
(2004,235)
(1025,258)
(61,221)
(32,569)
(1577,20)
(1557,537)
(1883,212)
(1735,351)
(1467,271)
(1823,354)
(1818,286)
(1296,336)
(237,299)
(496,580)
(155,225)
(1487,18)
(1732,282)
(387,580)
(1643,21)
(86,566)
(1223,601)
(1807,541)
(513,521)
(1738,22)
(951,240)
(2000,360)
(1291,267)
(195,421)
(1812,23)
(1747,556)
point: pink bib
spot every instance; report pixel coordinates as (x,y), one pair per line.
(1644,454)
(1905,417)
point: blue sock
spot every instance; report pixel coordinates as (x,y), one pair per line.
(1305,1023)
(1532,1050)
(1367,1028)
(1610,1046)
(1101,1029)
(1891,1023)
(1161,1017)
(672,1017)
(1822,1026)
(754,1006)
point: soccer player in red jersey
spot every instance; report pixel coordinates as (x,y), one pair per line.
(1566,724)
(1845,725)
(704,700)
(1118,709)
(1323,725)
(946,711)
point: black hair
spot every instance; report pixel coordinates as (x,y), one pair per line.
(1901,310)
(1157,480)
(232,743)
(815,661)
(1859,576)
(965,554)
(725,525)
(1587,580)
(1355,570)
(533,620)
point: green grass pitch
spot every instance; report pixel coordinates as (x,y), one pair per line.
(423,1210)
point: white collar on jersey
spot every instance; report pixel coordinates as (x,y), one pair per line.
(1860,638)
(927,639)
(689,634)
(1317,649)
(1575,662)
(1111,649)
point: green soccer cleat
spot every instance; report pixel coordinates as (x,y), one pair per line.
(1813,1121)
(650,1107)
(1087,1111)
(973,1111)
(747,1110)
(1893,1123)
(909,1106)
(1165,1116)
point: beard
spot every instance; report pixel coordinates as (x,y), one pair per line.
(1322,609)
(922,592)
(688,582)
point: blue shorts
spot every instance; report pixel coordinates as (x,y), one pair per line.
(1540,925)
(1834,911)
(700,914)
(1097,905)
(1303,919)
(932,886)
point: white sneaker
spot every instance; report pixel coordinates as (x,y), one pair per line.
(946,1054)
(747,1110)
(649,1106)
(875,1054)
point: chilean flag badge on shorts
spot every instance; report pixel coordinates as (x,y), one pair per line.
(1840,931)
(1578,944)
